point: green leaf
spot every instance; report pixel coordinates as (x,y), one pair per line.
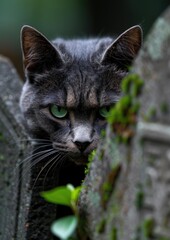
(70,186)
(59,195)
(75,194)
(64,227)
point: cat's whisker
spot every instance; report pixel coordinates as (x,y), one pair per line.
(35,161)
(39,146)
(42,171)
(34,141)
(58,165)
(61,146)
(56,161)
(32,156)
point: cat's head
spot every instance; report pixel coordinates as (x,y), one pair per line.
(70,86)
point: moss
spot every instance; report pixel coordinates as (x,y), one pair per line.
(108,186)
(122,116)
(106,192)
(103,133)
(101,154)
(1,137)
(151,114)
(132,85)
(115,209)
(101,226)
(148,227)
(164,107)
(139,200)
(90,159)
(113,234)
(2,157)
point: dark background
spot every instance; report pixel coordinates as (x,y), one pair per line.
(72,19)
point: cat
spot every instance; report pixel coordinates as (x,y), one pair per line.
(70,87)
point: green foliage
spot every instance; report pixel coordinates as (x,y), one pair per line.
(60,195)
(64,227)
(67,196)
(64,195)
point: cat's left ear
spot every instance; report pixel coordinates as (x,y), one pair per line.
(38,53)
(124,49)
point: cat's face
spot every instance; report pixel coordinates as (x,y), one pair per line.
(70,86)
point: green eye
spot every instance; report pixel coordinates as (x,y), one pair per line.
(58,112)
(104,111)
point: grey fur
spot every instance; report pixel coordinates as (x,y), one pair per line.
(81,75)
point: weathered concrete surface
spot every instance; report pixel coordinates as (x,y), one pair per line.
(24,215)
(10,150)
(127,190)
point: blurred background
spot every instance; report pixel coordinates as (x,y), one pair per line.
(72,19)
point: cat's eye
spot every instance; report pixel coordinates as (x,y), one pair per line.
(58,112)
(104,112)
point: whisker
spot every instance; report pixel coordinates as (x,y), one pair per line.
(57,161)
(57,164)
(35,161)
(34,141)
(41,146)
(54,155)
(32,156)
(61,147)
(51,160)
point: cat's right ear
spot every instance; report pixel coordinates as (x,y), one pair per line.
(38,53)
(124,49)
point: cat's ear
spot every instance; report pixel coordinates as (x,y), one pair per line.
(124,49)
(38,52)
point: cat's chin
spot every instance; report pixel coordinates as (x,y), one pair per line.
(79,159)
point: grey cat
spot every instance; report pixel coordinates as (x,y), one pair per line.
(70,87)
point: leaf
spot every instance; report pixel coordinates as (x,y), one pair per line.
(70,186)
(75,194)
(59,195)
(64,227)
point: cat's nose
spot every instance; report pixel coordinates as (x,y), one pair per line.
(82,145)
(82,136)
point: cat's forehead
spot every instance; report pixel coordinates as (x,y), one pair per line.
(76,96)
(82,48)
(81,87)
(90,97)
